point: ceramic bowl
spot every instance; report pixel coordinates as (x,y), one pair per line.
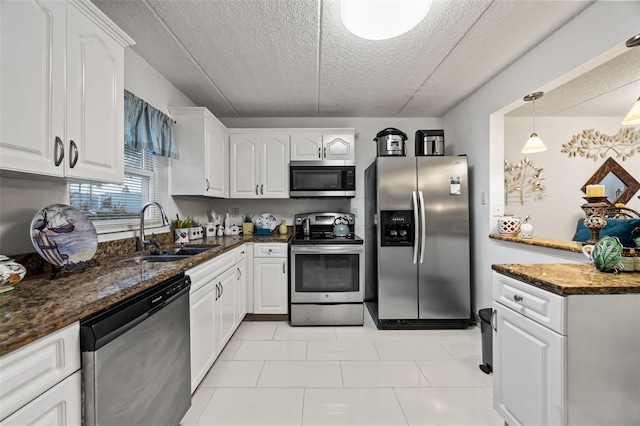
(11,272)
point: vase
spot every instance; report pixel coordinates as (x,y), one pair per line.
(247,228)
(509,225)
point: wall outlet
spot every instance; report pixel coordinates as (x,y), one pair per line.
(235,212)
(483,198)
(497,210)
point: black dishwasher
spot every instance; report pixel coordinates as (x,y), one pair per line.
(136,367)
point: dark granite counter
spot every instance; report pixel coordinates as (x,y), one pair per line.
(542,242)
(571,279)
(40,304)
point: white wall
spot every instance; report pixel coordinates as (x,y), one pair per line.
(594,33)
(556,215)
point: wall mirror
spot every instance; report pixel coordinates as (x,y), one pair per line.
(619,185)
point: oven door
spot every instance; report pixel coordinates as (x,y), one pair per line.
(325,273)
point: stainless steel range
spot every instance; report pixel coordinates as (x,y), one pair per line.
(327,270)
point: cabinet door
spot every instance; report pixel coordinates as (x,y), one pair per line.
(306,147)
(338,147)
(226,307)
(274,166)
(529,383)
(270,286)
(216,161)
(95,101)
(244,163)
(32,37)
(59,406)
(241,291)
(203,334)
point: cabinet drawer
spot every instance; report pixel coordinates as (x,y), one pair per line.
(206,271)
(60,405)
(29,371)
(270,250)
(539,305)
(240,253)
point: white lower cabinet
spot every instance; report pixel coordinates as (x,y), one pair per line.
(214,307)
(241,290)
(40,382)
(270,278)
(59,406)
(203,332)
(565,360)
(226,322)
(528,382)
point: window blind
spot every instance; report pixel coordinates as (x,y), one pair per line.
(112,205)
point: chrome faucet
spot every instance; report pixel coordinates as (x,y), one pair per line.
(142,243)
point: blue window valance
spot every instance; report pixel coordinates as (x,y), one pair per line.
(147,128)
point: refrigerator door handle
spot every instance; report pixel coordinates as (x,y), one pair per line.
(416,236)
(423,228)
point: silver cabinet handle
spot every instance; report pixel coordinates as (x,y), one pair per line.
(517,298)
(319,155)
(494,324)
(269,250)
(208,185)
(262,189)
(242,252)
(217,292)
(58,151)
(256,189)
(239,274)
(283,268)
(74,158)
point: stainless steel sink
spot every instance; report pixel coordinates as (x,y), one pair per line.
(172,255)
(191,250)
(157,258)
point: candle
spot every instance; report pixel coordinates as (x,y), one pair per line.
(595,190)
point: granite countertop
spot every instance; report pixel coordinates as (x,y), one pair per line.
(40,305)
(572,278)
(541,242)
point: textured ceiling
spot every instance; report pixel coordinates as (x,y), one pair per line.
(294,58)
(608,90)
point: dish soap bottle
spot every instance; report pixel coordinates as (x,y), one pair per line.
(282,229)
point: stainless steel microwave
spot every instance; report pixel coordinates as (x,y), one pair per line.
(318,179)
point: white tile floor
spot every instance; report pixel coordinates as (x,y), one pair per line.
(273,374)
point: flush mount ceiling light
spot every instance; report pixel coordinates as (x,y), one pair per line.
(382,19)
(534,144)
(633,118)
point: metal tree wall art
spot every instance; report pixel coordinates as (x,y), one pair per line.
(523,180)
(593,144)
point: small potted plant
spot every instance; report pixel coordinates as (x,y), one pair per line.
(247,224)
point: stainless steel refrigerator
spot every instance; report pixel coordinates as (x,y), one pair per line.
(417,272)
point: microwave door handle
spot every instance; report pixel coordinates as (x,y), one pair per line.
(423,227)
(416,235)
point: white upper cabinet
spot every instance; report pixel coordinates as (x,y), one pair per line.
(62,84)
(201,168)
(259,165)
(322,145)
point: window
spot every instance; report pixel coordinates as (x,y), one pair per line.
(114,207)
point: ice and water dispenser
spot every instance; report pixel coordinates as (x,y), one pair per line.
(397,228)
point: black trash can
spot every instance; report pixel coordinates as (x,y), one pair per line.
(487,340)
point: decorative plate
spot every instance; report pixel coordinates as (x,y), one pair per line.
(266,220)
(63,235)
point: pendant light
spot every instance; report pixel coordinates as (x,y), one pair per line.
(633,118)
(382,19)
(534,144)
